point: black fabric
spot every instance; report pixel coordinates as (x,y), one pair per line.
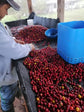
(26,87)
(16,23)
(37,20)
(46,22)
(31,16)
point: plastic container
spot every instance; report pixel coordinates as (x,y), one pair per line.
(30,22)
(70,41)
(51,33)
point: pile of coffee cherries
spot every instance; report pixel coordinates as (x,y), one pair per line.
(29,34)
(58,85)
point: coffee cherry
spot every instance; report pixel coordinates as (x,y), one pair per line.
(55,82)
(77,109)
(79,96)
(37,99)
(71,108)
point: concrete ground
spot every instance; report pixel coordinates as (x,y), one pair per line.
(19,105)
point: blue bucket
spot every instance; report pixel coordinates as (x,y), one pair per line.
(51,33)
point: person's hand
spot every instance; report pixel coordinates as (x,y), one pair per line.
(32,46)
(19,41)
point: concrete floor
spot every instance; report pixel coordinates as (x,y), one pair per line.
(19,105)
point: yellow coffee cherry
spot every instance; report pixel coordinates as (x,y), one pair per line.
(53,101)
(77,109)
(37,99)
(62,87)
(79,96)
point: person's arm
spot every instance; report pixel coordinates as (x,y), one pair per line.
(19,41)
(9,48)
